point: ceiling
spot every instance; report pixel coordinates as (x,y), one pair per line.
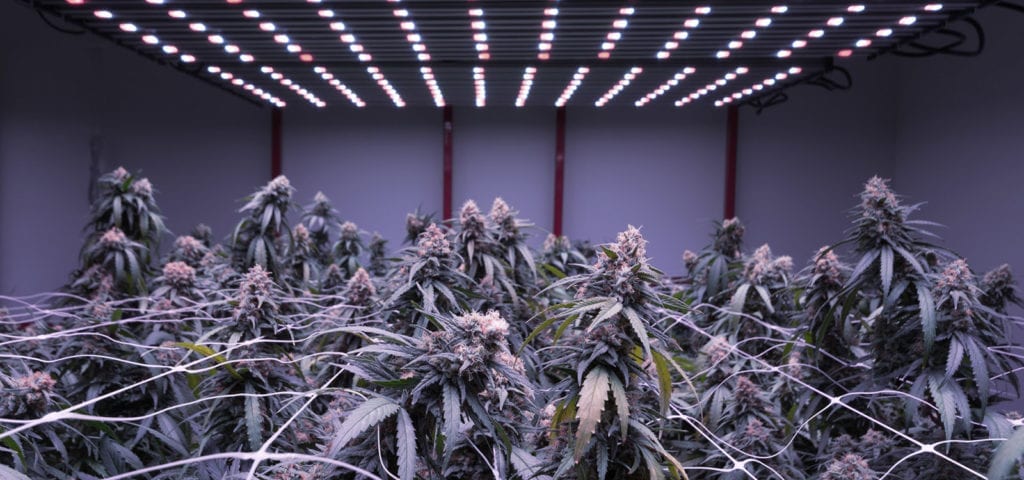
(397,53)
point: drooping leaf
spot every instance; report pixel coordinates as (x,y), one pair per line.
(593,395)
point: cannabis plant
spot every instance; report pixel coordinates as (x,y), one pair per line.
(319,219)
(263,238)
(348,249)
(454,400)
(610,342)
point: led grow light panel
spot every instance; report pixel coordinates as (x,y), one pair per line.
(395,53)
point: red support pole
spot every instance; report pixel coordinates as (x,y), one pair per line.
(559,169)
(447,212)
(731,139)
(275,142)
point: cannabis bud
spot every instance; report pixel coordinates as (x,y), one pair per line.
(828,266)
(999,288)
(189,249)
(849,467)
(113,238)
(360,288)
(433,243)
(349,231)
(179,274)
(555,243)
(956,276)
(729,237)
(470,218)
(762,268)
(142,188)
(119,174)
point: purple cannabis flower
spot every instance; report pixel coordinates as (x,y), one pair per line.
(849,467)
(690,260)
(34,389)
(114,238)
(470,219)
(360,288)
(828,266)
(433,243)
(189,249)
(761,268)
(301,234)
(179,274)
(501,213)
(717,349)
(119,174)
(729,237)
(349,231)
(142,188)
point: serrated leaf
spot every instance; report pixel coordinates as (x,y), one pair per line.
(592,397)
(928,322)
(980,368)
(621,404)
(452,416)
(406,437)
(954,358)
(253,419)
(369,414)
(1006,456)
(639,329)
(602,463)
(610,309)
(664,379)
(945,403)
(885,268)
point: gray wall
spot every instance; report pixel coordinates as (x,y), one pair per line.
(960,145)
(662,170)
(374,165)
(204,149)
(802,163)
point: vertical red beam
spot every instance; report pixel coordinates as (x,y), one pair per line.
(447,162)
(275,142)
(559,169)
(732,122)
